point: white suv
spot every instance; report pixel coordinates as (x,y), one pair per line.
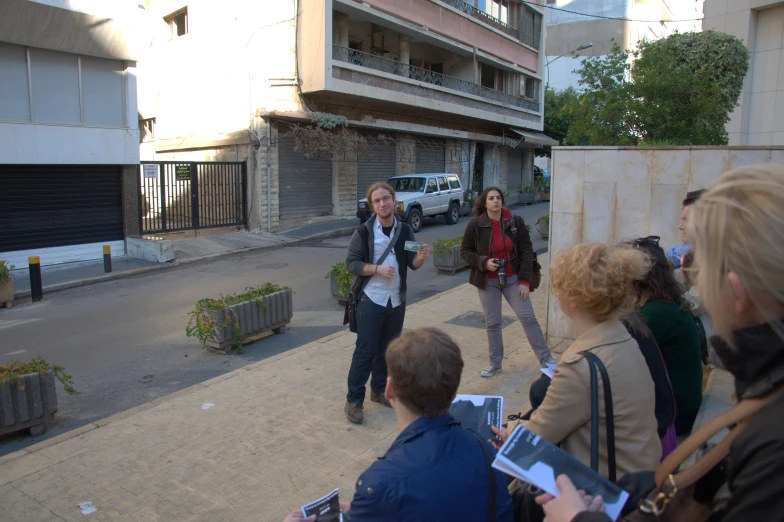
(420,195)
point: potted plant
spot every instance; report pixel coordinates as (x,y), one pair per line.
(446,255)
(29,396)
(543,226)
(233,320)
(6,284)
(468,203)
(526,196)
(340,281)
(510,198)
(544,191)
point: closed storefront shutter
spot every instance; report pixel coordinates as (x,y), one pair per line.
(305,184)
(54,206)
(515,174)
(431,157)
(378,164)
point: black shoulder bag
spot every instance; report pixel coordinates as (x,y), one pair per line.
(350,314)
(523,496)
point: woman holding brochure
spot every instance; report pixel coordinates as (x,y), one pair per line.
(737,229)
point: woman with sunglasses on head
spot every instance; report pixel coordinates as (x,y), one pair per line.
(660,300)
(737,229)
(494,241)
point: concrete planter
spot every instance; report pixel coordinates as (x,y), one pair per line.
(28,403)
(512,199)
(334,289)
(544,196)
(543,227)
(525,199)
(271,312)
(7,292)
(448,261)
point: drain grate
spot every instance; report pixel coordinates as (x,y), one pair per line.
(477,320)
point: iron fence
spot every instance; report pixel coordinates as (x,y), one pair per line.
(412,72)
(481,15)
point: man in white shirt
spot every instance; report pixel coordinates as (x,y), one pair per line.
(380,292)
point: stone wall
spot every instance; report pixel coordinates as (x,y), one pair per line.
(346,189)
(130,196)
(406,155)
(614,194)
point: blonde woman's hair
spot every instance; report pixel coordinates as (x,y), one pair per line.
(738,226)
(597,277)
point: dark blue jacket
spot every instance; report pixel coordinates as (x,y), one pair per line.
(435,470)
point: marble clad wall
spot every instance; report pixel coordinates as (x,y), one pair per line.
(614,194)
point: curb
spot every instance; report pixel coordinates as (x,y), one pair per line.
(59,287)
(100,423)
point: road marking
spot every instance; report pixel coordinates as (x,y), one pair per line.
(16,352)
(16,322)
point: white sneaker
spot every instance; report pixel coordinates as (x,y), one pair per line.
(489,371)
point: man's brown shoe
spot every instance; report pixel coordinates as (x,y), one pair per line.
(379,398)
(353,412)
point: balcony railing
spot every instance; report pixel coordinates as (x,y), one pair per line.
(386,65)
(481,15)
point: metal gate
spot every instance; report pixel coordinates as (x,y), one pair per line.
(431,158)
(181,195)
(378,164)
(305,182)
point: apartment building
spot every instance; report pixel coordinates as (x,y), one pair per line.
(601,23)
(69,142)
(431,85)
(759,117)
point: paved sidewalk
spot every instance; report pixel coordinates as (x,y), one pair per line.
(275,438)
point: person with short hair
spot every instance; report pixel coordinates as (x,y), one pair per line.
(675,254)
(435,470)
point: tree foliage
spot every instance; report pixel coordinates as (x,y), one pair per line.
(678,90)
(558,115)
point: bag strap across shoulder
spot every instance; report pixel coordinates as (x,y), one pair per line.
(384,255)
(597,366)
(739,414)
(491,477)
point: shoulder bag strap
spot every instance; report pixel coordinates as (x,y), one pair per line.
(384,255)
(596,364)
(744,410)
(491,477)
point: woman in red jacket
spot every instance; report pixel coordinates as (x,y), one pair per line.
(497,246)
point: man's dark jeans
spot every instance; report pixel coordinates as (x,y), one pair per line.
(376,327)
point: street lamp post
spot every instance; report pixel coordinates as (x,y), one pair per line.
(579,48)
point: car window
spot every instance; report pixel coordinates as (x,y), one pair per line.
(432,186)
(407,184)
(443,183)
(454,182)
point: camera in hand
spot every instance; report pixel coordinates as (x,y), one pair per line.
(501,271)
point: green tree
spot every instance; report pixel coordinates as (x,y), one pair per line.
(558,115)
(686,85)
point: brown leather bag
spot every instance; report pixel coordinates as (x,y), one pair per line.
(672,500)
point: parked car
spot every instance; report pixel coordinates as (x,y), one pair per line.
(422,195)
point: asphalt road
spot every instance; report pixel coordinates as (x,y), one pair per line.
(124,340)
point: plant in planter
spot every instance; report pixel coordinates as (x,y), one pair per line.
(544,193)
(340,281)
(543,226)
(446,255)
(28,394)
(468,203)
(6,284)
(526,195)
(235,319)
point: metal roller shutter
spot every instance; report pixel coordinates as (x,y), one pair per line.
(305,184)
(431,157)
(52,206)
(377,165)
(515,172)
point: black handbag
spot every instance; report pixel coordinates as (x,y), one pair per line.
(350,313)
(523,495)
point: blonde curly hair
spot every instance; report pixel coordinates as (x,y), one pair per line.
(597,277)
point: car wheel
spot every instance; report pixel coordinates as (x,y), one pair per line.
(415,219)
(453,214)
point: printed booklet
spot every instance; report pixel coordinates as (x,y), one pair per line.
(478,413)
(326,509)
(530,458)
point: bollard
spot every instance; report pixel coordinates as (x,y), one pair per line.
(36,286)
(107,258)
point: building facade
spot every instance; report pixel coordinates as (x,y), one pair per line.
(759,117)
(603,23)
(69,142)
(430,85)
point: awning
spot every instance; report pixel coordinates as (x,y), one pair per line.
(536,138)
